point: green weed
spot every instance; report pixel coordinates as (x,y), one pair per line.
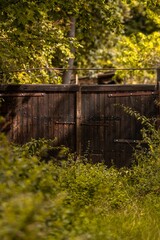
(76,200)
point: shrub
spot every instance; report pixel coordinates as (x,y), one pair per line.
(75,199)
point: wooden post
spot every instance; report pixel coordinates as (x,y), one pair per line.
(78,120)
(77,80)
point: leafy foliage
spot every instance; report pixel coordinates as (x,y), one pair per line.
(137,46)
(34,34)
(76,199)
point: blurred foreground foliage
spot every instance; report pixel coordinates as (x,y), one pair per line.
(72,199)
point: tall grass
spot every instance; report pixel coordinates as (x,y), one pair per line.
(75,200)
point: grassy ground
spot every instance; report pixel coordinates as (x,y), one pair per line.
(75,200)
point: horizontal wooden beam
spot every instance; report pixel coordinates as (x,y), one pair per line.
(38,88)
(22,94)
(130,94)
(119,88)
(74,88)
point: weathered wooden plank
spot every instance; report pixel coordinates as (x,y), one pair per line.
(37,88)
(71,135)
(23,130)
(85,113)
(22,94)
(118,88)
(86,121)
(46,116)
(35,117)
(91,128)
(55,88)
(54,109)
(51,128)
(78,121)
(101,128)
(4,112)
(30,120)
(139,93)
(41,113)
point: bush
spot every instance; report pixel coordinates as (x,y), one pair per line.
(76,200)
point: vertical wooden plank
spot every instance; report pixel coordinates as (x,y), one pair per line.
(53,115)
(50,116)
(40,122)
(42,108)
(128,132)
(38,117)
(11,111)
(97,145)
(73,127)
(21,119)
(71,135)
(45,116)
(35,115)
(127,120)
(25,117)
(67,118)
(41,116)
(121,132)
(93,115)
(85,117)
(93,127)
(56,115)
(30,119)
(118,146)
(108,130)
(102,127)
(21,108)
(78,120)
(83,112)
(61,117)
(136,104)
(14,127)
(54,106)
(158,98)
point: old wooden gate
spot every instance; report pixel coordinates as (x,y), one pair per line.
(87,119)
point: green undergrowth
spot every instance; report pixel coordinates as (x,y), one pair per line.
(48,194)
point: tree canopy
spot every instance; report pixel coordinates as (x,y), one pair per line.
(35,35)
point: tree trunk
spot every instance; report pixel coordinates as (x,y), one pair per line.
(66,78)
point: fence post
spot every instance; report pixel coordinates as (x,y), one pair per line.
(158,98)
(78,120)
(77,80)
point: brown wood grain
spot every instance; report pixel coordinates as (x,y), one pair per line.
(86,119)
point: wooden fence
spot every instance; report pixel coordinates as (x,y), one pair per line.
(84,118)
